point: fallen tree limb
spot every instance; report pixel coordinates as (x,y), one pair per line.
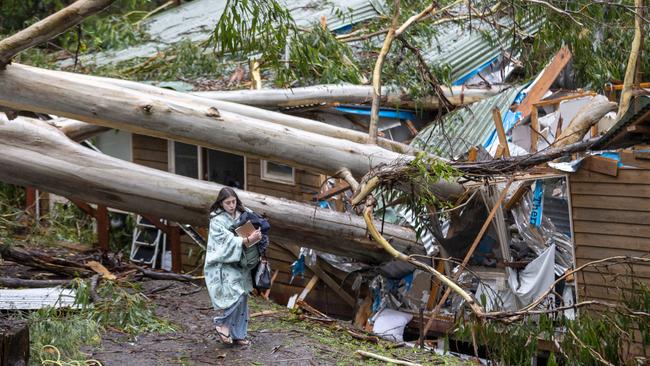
(166,275)
(49,28)
(376,76)
(32,153)
(350,94)
(452,286)
(386,359)
(633,60)
(19,282)
(77,130)
(42,261)
(582,122)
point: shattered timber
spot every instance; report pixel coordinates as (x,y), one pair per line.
(452,182)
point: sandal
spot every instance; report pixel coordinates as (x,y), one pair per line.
(223,337)
(242,342)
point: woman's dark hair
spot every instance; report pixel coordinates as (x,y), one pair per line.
(226,192)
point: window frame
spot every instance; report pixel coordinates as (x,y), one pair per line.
(264,174)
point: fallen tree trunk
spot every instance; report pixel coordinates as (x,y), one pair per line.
(352,94)
(300,123)
(582,122)
(49,27)
(115,107)
(32,153)
(194,123)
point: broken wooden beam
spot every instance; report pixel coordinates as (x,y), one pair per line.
(338,188)
(544,82)
(501,133)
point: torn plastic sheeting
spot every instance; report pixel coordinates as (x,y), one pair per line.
(522,287)
(531,282)
(389,324)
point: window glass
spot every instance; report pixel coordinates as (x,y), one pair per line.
(186,161)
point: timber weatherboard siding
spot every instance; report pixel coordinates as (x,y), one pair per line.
(611,217)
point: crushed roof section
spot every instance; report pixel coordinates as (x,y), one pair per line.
(466,49)
(466,127)
(196,20)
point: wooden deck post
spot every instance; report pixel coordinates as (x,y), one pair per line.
(30,201)
(101,215)
(175,244)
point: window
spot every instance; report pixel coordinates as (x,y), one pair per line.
(186,160)
(278,173)
(206,164)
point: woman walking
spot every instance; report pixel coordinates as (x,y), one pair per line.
(226,275)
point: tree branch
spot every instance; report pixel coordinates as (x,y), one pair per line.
(630,71)
(376,77)
(49,28)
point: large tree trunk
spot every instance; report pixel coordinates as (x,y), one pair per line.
(32,153)
(248,111)
(354,94)
(38,90)
(49,27)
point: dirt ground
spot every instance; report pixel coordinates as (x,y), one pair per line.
(281,338)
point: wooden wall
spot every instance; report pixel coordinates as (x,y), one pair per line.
(611,217)
(307,183)
(150,151)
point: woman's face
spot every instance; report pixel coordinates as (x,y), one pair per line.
(229,205)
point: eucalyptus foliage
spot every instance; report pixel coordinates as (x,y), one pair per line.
(266,31)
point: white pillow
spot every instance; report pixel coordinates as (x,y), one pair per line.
(389,324)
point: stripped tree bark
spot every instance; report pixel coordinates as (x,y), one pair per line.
(351,94)
(586,117)
(376,76)
(633,60)
(208,100)
(194,123)
(32,153)
(49,28)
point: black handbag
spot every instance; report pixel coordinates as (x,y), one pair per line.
(263,275)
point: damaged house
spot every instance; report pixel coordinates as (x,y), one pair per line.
(490,199)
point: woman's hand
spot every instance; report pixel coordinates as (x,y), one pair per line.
(254,237)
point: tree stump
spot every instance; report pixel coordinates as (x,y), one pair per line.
(14,342)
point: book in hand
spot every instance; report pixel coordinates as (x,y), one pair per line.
(245,231)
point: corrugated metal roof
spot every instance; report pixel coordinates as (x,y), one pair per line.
(465,49)
(464,128)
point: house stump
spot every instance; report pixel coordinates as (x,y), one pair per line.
(14,342)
